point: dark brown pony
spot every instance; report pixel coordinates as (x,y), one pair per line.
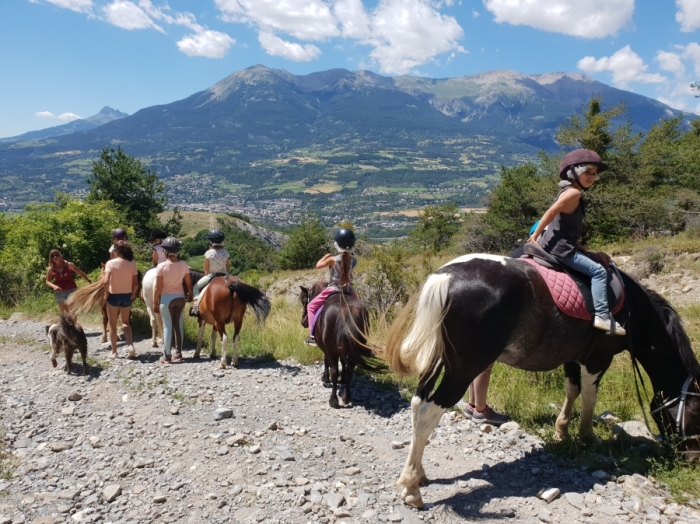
(341,333)
(224,302)
(67,337)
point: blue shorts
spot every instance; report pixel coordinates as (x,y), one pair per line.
(62,296)
(119,300)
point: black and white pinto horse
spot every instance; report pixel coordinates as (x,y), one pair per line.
(480,308)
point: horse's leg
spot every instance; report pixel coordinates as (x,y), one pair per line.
(333,366)
(589,390)
(348,369)
(212,347)
(69,360)
(154,327)
(199,338)
(83,355)
(572,370)
(236,342)
(224,346)
(426,416)
(105,321)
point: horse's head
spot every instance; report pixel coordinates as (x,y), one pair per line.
(304,300)
(678,419)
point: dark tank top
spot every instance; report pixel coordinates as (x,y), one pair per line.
(561,237)
(64,279)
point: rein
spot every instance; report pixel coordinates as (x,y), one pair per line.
(680,416)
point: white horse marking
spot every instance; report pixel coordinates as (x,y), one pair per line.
(589,395)
(478,256)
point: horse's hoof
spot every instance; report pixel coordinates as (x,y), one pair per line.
(222,365)
(334,403)
(54,363)
(155,345)
(412,498)
(560,436)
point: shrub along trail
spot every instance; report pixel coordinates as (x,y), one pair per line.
(137,441)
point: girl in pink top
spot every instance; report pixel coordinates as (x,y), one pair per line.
(170,295)
(121,286)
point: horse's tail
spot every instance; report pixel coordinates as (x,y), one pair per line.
(254,298)
(354,339)
(87,298)
(424,347)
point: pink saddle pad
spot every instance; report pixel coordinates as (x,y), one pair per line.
(565,292)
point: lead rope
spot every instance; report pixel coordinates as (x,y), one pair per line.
(635,364)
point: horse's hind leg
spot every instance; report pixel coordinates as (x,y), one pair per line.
(154,326)
(69,360)
(200,335)
(333,366)
(589,396)
(348,369)
(572,370)
(236,342)
(105,323)
(212,347)
(426,416)
(83,355)
(224,347)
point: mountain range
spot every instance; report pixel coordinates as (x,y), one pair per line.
(267,133)
(106,114)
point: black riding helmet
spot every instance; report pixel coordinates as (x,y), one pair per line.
(215,236)
(171,245)
(157,234)
(345,238)
(577,158)
(119,233)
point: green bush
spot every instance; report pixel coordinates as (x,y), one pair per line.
(306,245)
(81,231)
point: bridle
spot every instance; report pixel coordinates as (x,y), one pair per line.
(680,415)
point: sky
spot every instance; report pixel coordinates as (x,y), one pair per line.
(66,59)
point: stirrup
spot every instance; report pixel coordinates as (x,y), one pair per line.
(310,341)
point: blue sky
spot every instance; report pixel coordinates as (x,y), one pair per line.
(64,59)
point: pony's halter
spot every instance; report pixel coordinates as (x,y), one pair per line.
(680,415)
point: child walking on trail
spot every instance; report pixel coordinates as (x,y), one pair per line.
(341,266)
(578,171)
(216,262)
(159,254)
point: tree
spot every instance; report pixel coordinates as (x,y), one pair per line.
(436,226)
(135,190)
(306,245)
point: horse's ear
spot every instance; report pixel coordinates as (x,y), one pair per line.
(303,289)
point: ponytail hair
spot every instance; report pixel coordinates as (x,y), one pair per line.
(346,260)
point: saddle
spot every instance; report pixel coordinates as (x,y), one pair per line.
(571,290)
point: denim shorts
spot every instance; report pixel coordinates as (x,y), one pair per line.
(119,300)
(62,296)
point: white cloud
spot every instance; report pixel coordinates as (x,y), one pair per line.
(207,43)
(275,46)
(403,34)
(69,116)
(692,52)
(302,19)
(128,15)
(409,33)
(45,114)
(670,62)
(80,6)
(688,14)
(475,13)
(589,19)
(625,65)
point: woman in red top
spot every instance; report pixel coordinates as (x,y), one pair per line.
(59,277)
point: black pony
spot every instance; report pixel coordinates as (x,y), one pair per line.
(480,308)
(341,333)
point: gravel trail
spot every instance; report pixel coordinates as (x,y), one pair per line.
(137,441)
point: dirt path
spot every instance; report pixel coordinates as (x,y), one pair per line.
(143,444)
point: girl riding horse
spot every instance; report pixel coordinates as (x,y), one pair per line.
(578,171)
(341,267)
(216,262)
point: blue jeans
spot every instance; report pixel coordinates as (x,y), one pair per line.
(171,306)
(599,280)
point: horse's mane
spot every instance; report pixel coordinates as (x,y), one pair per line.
(674,328)
(195,275)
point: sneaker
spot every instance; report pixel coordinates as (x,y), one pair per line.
(604,324)
(469,411)
(489,416)
(165,359)
(310,341)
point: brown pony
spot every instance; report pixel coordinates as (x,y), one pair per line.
(224,302)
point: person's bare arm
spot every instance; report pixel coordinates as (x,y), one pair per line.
(135,286)
(48,281)
(154,257)
(326,261)
(76,269)
(156,294)
(566,203)
(228,264)
(188,285)
(206,266)
(105,279)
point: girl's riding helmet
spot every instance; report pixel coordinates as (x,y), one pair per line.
(345,238)
(215,236)
(119,233)
(578,157)
(157,234)
(171,245)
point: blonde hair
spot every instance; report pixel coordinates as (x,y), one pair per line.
(51,254)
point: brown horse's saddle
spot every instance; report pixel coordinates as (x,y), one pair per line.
(570,289)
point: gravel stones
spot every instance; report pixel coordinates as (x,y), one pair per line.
(111,492)
(59,446)
(75,396)
(575,499)
(333,500)
(634,431)
(550,494)
(223,413)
